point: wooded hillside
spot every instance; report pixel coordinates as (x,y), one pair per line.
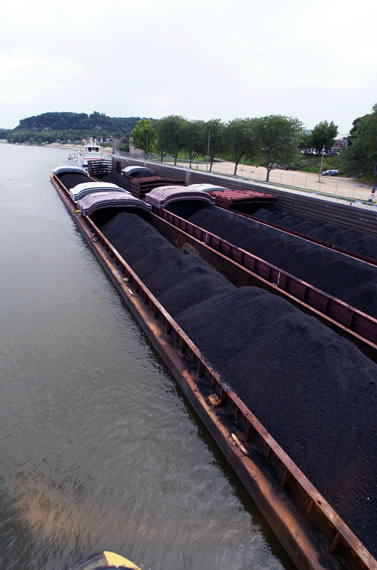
(78,121)
(70,127)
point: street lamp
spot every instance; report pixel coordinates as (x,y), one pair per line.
(320,168)
(208,147)
(373,194)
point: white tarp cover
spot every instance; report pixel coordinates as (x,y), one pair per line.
(81,190)
(130,170)
(207,187)
(69,169)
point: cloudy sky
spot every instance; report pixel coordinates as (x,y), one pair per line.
(203,59)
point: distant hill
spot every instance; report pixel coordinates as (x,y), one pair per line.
(78,122)
(71,127)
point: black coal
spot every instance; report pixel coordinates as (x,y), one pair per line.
(329,233)
(340,276)
(313,390)
(70,180)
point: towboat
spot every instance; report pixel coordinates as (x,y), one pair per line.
(91,151)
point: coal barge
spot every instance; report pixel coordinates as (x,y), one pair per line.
(202,324)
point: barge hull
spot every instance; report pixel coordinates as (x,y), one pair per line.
(308,528)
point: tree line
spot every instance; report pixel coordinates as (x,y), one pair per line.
(52,136)
(269,140)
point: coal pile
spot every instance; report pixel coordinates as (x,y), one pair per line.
(349,280)
(176,279)
(115,178)
(330,233)
(314,391)
(125,221)
(70,180)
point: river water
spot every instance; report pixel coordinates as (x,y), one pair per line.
(98,448)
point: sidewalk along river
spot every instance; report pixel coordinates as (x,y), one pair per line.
(99,449)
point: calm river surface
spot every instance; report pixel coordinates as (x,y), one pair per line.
(98,447)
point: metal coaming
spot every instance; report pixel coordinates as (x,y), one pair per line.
(279,511)
(309,239)
(361,326)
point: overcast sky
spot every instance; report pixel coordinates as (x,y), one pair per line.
(203,59)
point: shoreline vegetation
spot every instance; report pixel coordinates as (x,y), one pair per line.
(350,189)
(275,147)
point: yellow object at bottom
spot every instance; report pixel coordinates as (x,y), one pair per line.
(114,559)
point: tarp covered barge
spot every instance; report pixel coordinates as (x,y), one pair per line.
(308,527)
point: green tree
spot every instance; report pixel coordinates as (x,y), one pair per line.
(171,135)
(215,139)
(324,135)
(241,140)
(305,141)
(354,131)
(144,136)
(277,139)
(194,136)
(360,156)
(161,144)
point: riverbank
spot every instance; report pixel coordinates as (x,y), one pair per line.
(68,146)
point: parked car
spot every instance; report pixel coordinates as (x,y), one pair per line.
(330,173)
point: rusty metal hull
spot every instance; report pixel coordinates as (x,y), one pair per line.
(308,528)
